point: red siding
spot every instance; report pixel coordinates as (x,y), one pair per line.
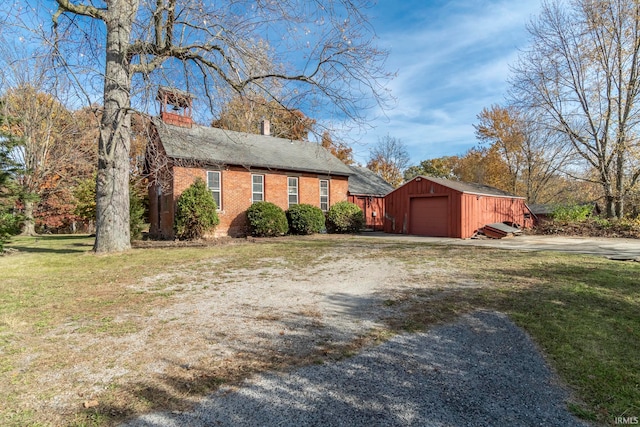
(373,208)
(466,212)
(429,216)
(479,211)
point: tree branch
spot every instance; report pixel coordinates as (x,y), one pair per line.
(78,9)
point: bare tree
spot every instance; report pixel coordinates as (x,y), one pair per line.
(533,155)
(48,148)
(211,46)
(389,159)
(245,114)
(581,77)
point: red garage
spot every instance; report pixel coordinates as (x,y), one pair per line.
(437,207)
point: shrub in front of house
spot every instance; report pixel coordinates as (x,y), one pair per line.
(345,217)
(305,219)
(196,212)
(267,220)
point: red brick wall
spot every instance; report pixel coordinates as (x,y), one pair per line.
(338,189)
(184,177)
(236,186)
(177,119)
(309,190)
(275,189)
(236,198)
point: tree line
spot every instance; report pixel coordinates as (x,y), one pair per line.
(320,53)
(513,155)
(569,130)
(48,162)
(570,123)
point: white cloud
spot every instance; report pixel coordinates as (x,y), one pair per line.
(452,60)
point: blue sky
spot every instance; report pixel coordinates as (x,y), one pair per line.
(452,60)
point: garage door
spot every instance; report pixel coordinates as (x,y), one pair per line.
(429,216)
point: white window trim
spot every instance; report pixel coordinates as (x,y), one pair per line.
(289,193)
(219,190)
(321,195)
(255,192)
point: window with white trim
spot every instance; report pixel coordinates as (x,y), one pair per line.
(213,183)
(257,188)
(292,186)
(324,195)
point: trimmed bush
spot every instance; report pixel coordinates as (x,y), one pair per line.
(196,212)
(305,219)
(345,217)
(267,220)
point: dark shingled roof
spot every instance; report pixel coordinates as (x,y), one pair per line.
(219,147)
(541,209)
(365,182)
(471,188)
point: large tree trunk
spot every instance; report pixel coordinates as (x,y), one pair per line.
(620,196)
(29,226)
(607,189)
(112,183)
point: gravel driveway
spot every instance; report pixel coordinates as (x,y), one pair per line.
(611,248)
(479,371)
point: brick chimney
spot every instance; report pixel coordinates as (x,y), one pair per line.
(176,106)
(265,127)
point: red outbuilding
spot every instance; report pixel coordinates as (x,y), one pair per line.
(437,207)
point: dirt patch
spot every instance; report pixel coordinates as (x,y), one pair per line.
(214,323)
(150,243)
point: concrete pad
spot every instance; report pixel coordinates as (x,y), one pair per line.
(611,248)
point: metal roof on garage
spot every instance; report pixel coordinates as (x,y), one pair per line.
(471,188)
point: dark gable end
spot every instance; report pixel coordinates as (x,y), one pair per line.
(219,147)
(364,182)
(470,188)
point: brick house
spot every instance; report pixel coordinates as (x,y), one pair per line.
(239,169)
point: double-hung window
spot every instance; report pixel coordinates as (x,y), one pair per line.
(213,183)
(257,188)
(292,186)
(324,195)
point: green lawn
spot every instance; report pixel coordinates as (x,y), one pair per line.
(583,312)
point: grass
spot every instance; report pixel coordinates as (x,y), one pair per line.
(583,312)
